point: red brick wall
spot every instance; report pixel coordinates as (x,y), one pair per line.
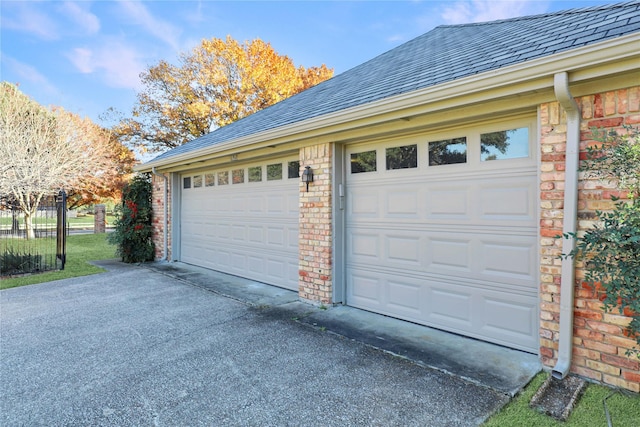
(157,203)
(315,236)
(599,343)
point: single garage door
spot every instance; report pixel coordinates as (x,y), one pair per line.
(243,220)
(441,230)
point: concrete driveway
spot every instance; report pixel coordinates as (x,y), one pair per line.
(137,346)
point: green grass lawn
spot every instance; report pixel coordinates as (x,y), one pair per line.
(80,250)
(83,221)
(623,409)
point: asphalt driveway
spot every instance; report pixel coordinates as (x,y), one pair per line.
(134,347)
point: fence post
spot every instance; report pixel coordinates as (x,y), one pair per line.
(61,236)
(99,219)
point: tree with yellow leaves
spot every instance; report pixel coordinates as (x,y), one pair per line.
(218,82)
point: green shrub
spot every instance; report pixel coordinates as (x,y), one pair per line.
(133,225)
(611,249)
(13,262)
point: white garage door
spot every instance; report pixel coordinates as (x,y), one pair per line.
(243,220)
(441,230)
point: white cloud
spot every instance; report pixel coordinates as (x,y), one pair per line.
(81,16)
(194,16)
(466,11)
(28,74)
(82,59)
(25,17)
(118,64)
(160,29)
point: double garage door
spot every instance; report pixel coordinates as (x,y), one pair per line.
(442,231)
(243,220)
(439,230)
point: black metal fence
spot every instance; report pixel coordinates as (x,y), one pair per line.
(36,243)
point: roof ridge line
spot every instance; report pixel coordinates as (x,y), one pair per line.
(574,11)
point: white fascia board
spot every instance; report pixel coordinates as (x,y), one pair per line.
(599,54)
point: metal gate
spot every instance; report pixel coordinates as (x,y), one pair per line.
(32,243)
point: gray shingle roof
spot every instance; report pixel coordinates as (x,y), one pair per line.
(444,54)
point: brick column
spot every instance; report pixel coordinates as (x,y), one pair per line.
(99,219)
(157,202)
(316,228)
(599,341)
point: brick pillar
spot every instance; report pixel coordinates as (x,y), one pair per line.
(157,203)
(599,340)
(99,219)
(316,229)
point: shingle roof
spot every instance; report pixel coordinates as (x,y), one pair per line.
(444,54)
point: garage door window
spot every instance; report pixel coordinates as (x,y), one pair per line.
(404,157)
(186,182)
(363,162)
(294,169)
(255,174)
(209,180)
(197,181)
(448,151)
(274,172)
(506,144)
(223,178)
(237,175)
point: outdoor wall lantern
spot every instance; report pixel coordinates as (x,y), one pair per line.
(307,176)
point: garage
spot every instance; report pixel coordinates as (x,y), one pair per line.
(441,230)
(243,220)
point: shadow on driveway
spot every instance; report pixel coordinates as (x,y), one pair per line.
(139,346)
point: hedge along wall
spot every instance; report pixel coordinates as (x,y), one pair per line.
(157,201)
(599,343)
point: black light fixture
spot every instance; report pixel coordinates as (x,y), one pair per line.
(307,176)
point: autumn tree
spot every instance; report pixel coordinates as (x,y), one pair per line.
(218,82)
(115,168)
(43,150)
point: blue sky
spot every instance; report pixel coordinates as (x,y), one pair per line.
(86,56)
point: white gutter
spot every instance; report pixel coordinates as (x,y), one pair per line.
(565,345)
(165,225)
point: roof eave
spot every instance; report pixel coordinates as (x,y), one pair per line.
(582,63)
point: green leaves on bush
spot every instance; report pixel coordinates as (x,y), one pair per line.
(611,249)
(14,262)
(133,225)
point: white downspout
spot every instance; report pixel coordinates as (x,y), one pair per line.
(165,236)
(565,345)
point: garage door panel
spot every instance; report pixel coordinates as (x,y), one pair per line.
(363,245)
(364,204)
(509,259)
(404,296)
(513,203)
(238,232)
(256,204)
(403,203)
(256,234)
(403,249)
(365,289)
(522,316)
(448,254)
(447,203)
(256,264)
(245,229)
